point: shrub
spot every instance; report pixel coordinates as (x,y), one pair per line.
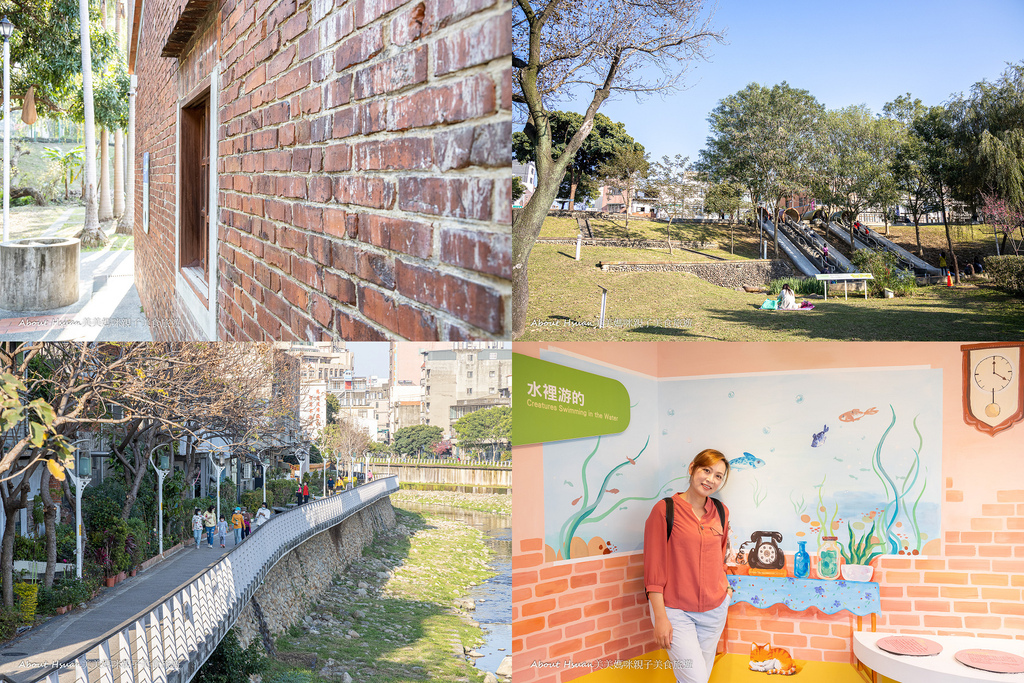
(10,620)
(885,268)
(1007,272)
(29,548)
(801,286)
(27,598)
(229,663)
(252,499)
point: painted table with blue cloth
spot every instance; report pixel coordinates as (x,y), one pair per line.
(857,597)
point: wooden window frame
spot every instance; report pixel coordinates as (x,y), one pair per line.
(194,190)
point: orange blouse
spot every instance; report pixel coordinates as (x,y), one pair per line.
(689,568)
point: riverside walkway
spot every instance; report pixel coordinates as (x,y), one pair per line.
(161,625)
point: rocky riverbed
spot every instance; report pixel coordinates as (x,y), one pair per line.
(499,504)
(398,613)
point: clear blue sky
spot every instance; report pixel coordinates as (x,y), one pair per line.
(843,52)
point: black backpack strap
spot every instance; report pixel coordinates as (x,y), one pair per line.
(721,512)
(670,514)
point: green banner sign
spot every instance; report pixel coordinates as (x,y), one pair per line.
(551,402)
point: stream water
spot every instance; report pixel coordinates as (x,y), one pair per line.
(493,598)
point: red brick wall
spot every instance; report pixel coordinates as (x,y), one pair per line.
(363,154)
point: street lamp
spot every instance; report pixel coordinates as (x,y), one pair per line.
(80,478)
(6,29)
(162,470)
(219,468)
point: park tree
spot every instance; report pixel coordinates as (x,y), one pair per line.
(416,438)
(988,133)
(764,139)
(908,166)
(487,429)
(625,173)
(92,234)
(518,188)
(853,160)
(671,181)
(941,163)
(725,197)
(597,149)
(592,49)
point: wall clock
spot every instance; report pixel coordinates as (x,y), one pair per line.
(993,391)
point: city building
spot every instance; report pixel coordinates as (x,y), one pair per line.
(322,171)
(460,381)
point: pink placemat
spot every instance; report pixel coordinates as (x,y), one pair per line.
(991,660)
(909,645)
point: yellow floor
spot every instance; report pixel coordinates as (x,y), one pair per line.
(731,668)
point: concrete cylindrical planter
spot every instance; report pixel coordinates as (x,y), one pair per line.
(39,274)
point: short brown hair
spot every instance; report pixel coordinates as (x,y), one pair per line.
(707,458)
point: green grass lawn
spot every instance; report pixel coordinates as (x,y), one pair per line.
(565,302)
(594,255)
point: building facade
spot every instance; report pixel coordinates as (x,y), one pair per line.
(317,170)
(461,381)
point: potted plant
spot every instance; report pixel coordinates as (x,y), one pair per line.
(859,551)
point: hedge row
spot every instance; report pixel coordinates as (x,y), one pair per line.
(1006,272)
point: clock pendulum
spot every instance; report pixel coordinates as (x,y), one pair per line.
(993,374)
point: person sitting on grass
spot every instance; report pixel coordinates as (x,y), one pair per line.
(787,299)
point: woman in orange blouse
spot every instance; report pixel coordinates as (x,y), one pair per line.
(685,572)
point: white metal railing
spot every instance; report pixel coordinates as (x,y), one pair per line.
(168,641)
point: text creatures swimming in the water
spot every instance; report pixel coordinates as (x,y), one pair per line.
(856,414)
(745,462)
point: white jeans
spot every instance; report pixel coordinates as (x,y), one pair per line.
(695,637)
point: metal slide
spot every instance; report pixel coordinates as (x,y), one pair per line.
(812,244)
(876,242)
(802,263)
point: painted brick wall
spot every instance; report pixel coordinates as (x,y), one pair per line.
(363,160)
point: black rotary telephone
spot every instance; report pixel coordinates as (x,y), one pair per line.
(766,553)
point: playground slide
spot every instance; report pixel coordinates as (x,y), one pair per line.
(814,245)
(802,263)
(879,242)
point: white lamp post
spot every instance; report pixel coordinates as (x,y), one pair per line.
(80,478)
(6,29)
(162,470)
(218,468)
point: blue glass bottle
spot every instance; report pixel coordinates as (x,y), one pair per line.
(802,562)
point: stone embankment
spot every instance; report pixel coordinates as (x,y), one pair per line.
(732,274)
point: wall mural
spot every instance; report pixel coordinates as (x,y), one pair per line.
(856,452)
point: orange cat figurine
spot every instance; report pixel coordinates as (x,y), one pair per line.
(771,660)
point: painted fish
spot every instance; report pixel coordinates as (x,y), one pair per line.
(745,462)
(611,490)
(577,500)
(818,438)
(856,414)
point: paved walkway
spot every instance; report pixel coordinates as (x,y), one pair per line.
(25,658)
(108,308)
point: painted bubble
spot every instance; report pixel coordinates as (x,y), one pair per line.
(767,430)
(732,394)
(664,432)
(671,411)
(799,398)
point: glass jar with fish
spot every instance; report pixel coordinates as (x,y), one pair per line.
(828,558)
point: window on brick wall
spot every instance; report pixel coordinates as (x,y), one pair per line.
(195,185)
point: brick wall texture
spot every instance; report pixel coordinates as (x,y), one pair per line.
(363,165)
(595,609)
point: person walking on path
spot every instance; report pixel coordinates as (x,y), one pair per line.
(262,515)
(222,531)
(247,523)
(237,523)
(210,521)
(305,493)
(198,522)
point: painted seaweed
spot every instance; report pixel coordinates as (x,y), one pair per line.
(897,497)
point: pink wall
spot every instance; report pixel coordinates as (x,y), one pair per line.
(595,609)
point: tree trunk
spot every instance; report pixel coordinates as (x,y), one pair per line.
(917,231)
(118,173)
(574,179)
(126,225)
(106,209)
(949,242)
(14,500)
(92,235)
(18,192)
(50,521)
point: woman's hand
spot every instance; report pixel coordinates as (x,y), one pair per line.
(663,633)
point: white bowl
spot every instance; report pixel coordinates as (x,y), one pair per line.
(857,572)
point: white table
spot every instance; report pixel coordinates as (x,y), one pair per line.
(940,668)
(845,278)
